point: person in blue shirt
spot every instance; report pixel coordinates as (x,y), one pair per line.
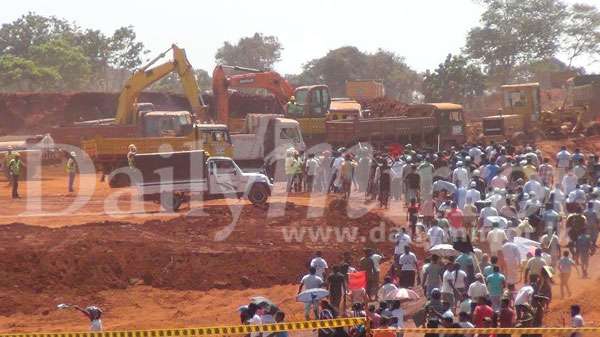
(496,283)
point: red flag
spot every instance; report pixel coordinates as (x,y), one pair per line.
(357,280)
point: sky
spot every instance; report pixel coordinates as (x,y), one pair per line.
(422,31)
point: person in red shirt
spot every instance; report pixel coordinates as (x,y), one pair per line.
(456,218)
(481,312)
(413,215)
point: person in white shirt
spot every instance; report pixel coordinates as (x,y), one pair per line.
(569,182)
(460,176)
(533,185)
(478,288)
(310,281)
(312,168)
(523,299)
(496,238)
(435,235)
(387,290)
(486,212)
(476,153)
(576,319)
(563,161)
(319,263)
(402,240)
(397,315)
(408,268)
(335,172)
(512,260)
(499,181)
(473,193)
(452,281)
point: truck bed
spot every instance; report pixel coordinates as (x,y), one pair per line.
(102,149)
(75,134)
(348,131)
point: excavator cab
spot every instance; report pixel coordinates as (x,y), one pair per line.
(314,100)
(167,123)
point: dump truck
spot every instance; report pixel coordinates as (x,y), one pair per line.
(442,127)
(264,141)
(361,89)
(172,178)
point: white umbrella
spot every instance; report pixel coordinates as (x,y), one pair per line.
(502,221)
(526,246)
(443,250)
(312,295)
(404,294)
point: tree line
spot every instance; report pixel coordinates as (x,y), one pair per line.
(514,40)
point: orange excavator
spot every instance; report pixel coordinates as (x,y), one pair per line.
(309,105)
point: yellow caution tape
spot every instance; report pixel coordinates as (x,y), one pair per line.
(221,330)
(516,331)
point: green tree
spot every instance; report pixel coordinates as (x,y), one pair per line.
(80,58)
(453,81)
(19,74)
(582,32)
(514,32)
(258,51)
(125,50)
(64,59)
(349,63)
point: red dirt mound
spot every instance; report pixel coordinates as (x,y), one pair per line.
(175,254)
(384,106)
(36,112)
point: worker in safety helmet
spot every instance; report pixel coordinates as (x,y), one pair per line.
(71,168)
(7,158)
(131,155)
(14,167)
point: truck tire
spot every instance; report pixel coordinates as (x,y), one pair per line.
(259,194)
(171,203)
(119,180)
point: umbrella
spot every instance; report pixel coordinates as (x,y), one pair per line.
(312,295)
(526,246)
(261,299)
(443,250)
(489,221)
(404,294)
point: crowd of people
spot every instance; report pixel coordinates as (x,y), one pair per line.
(487,202)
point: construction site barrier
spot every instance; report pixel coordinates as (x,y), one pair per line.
(208,331)
(471,331)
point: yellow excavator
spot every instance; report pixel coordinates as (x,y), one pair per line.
(146,76)
(149,130)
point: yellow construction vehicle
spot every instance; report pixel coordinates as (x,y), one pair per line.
(521,118)
(146,76)
(107,141)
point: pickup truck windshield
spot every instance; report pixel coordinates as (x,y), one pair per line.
(291,134)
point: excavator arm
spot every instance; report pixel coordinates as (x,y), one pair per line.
(269,80)
(146,76)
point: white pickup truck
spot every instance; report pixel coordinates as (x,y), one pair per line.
(172,178)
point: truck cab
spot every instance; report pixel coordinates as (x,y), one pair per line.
(523,100)
(311,108)
(449,117)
